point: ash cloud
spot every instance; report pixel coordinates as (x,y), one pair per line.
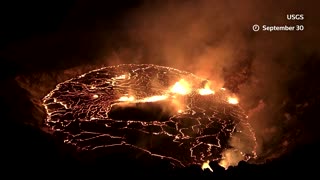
(214,39)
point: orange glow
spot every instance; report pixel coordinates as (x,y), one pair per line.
(121,77)
(233,100)
(154,98)
(181,87)
(224,163)
(206,90)
(126,98)
(206,165)
(230,158)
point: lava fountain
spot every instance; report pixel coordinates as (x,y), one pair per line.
(164,112)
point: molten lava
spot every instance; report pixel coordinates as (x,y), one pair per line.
(206,90)
(160,111)
(206,165)
(233,100)
(181,87)
(154,98)
(125,98)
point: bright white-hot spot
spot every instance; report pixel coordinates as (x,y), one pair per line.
(181,87)
(121,77)
(206,90)
(126,98)
(233,100)
(154,98)
(206,165)
(95,96)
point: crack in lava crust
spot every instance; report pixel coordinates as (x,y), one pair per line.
(79,110)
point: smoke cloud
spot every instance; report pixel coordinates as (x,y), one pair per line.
(214,39)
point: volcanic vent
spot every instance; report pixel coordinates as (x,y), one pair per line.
(164,112)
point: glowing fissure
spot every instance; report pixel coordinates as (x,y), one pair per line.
(206,165)
(198,129)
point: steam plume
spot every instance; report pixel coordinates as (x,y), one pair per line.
(214,39)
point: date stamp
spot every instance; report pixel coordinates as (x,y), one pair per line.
(274,28)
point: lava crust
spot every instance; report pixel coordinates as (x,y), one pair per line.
(87,112)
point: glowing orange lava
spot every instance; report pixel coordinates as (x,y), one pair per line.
(233,100)
(121,77)
(155,98)
(181,87)
(189,115)
(126,98)
(223,163)
(206,165)
(206,90)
